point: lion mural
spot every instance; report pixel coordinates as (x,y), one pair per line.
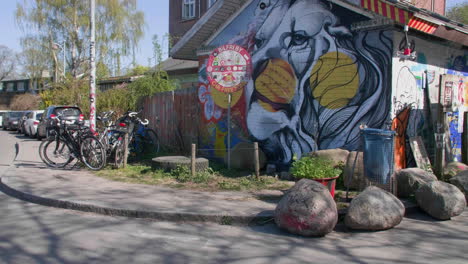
(314,81)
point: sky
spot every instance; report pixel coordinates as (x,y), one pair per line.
(156,16)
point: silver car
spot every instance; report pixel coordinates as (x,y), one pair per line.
(32,120)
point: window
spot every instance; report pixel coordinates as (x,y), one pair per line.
(9,87)
(211,2)
(20,87)
(188,9)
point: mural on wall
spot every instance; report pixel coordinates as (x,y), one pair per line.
(416,87)
(314,81)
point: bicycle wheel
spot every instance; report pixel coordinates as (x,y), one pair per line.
(150,142)
(93,153)
(119,155)
(55,153)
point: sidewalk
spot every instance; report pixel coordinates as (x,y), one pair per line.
(29,179)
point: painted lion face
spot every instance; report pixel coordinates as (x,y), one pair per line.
(307,89)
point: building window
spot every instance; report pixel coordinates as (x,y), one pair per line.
(211,2)
(188,9)
(9,87)
(20,87)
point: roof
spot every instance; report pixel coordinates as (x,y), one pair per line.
(223,10)
(205,27)
(119,79)
(172,64)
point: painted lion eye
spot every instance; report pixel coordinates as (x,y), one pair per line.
(298,38)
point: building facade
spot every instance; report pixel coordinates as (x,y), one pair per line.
(322,69)
(183,14)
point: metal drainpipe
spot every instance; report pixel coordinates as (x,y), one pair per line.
(199,8)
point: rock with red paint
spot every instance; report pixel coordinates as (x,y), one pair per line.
(410,179)
(307,209)
(374,209)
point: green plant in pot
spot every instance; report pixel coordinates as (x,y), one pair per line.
(316,168)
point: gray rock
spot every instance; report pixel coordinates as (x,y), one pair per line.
(441,200)
(374,209)
(337,156)
(410,179)
(461,181)
(453,168)
(171,162)
(307,209)
(354,171)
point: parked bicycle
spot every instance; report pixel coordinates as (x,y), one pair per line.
(70,141)
(142,140)
(111,138)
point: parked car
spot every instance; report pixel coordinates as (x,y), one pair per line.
(11,120)
(70,113)
(21,121)
(2,115)
(30,125)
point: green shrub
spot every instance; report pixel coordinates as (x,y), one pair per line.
(181,173)
(314,168)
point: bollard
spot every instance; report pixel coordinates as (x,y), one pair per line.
(192,160)
(257,160)
(126,150)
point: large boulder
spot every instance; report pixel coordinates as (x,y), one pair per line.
(353,172)
(461,181)
(374,209)
(410,179)
(337,156)
(441,200)
(307,209)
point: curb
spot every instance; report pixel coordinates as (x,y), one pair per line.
(249,220)
(222,219)
(266,216)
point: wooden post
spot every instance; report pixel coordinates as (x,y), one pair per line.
(126,150)
(192,160)
(257,160)
(439,131)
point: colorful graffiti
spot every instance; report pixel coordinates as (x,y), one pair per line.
(314,81)
(455,137)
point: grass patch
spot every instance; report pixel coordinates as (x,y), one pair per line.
(215,178)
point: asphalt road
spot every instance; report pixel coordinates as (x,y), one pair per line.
(32,233)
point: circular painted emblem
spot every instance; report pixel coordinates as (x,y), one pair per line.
(229,68)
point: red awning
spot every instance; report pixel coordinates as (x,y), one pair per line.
(387,10)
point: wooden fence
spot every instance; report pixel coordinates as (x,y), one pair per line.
(176,118)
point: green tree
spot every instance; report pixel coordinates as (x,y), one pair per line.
(34,59)
(148,85)
(138,70)
(459,13)
(119,27)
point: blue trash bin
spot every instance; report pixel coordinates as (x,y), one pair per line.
(378,154)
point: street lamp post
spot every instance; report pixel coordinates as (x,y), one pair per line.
(61,47)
